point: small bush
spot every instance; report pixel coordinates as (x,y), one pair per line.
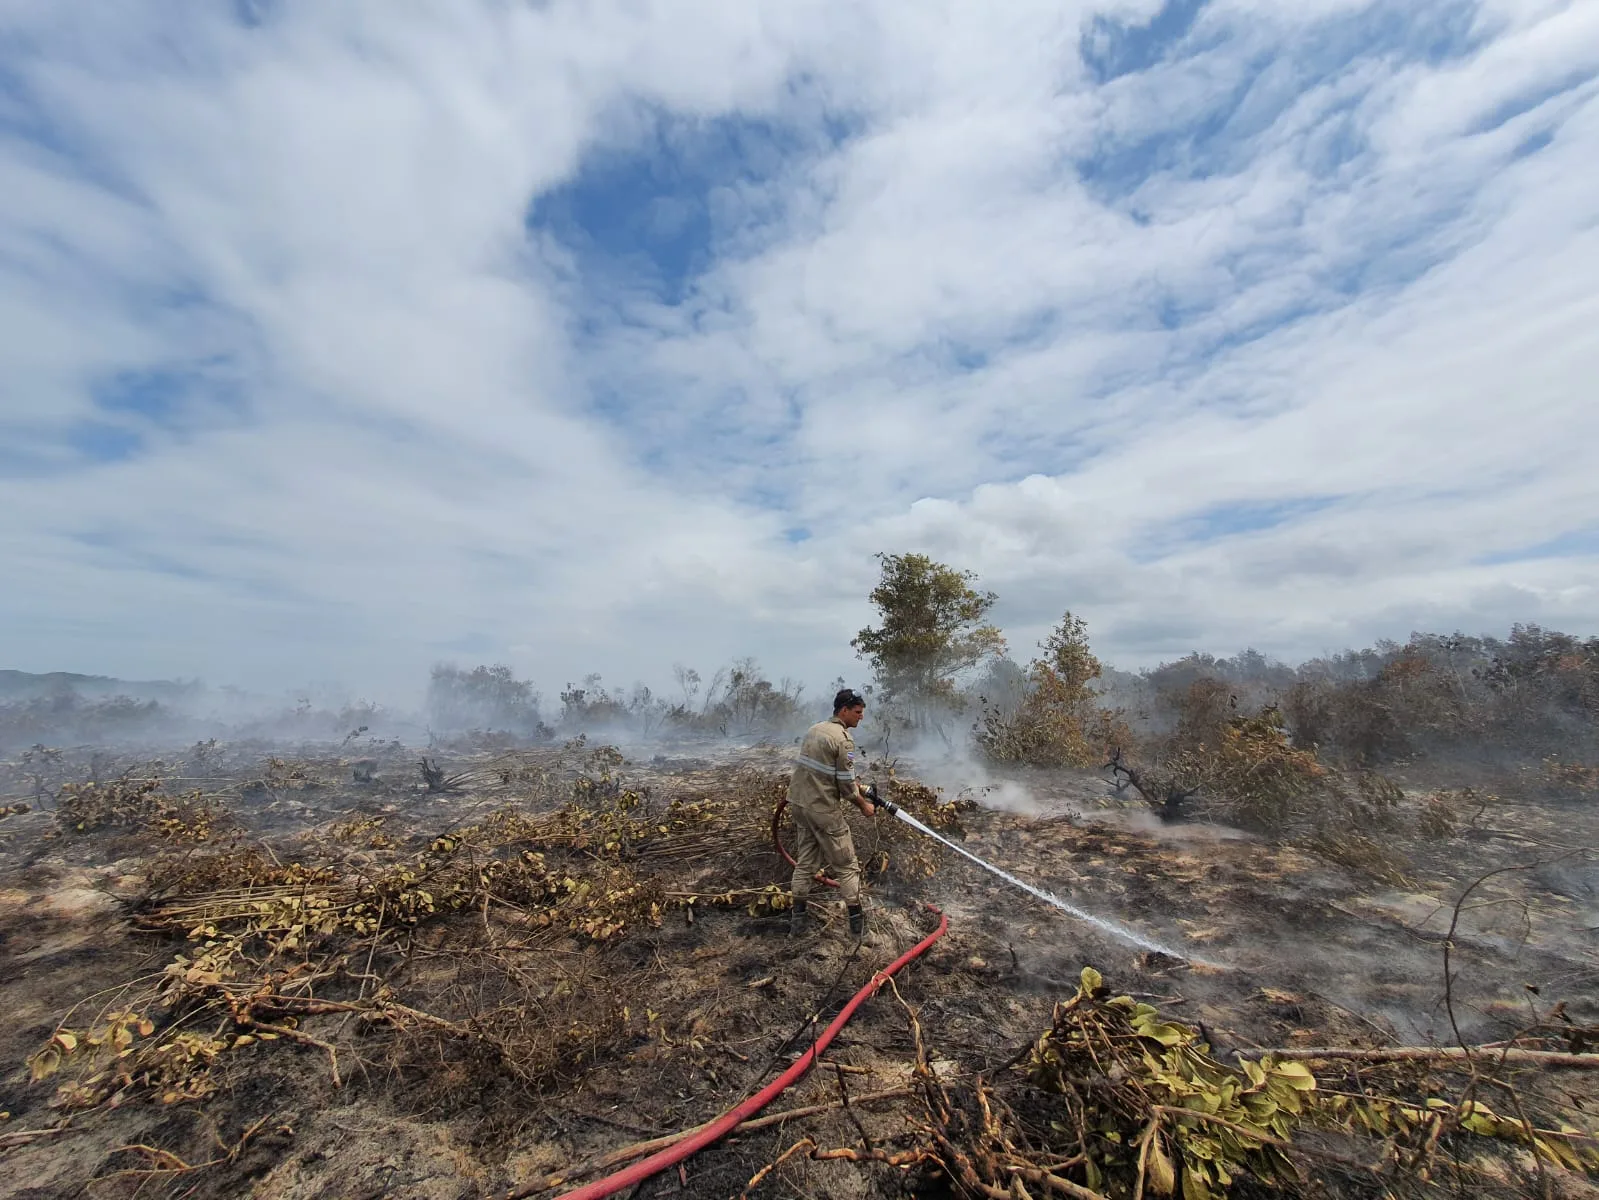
(1248,768)
(1055,721)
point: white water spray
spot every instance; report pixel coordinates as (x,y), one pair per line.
(1111,927)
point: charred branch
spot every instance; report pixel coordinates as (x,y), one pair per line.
(1162,795)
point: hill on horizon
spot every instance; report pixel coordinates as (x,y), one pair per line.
(28,685)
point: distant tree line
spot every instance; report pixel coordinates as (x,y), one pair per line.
(941,669)
(938,660)
(735,701)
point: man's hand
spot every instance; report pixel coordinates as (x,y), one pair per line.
(869,802)
(863,802)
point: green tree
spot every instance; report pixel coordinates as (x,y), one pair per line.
(1068,658)
(1058,721)
(932,630)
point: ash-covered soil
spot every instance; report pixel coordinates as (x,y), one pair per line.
(501,1034)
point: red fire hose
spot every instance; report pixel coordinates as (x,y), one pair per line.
(718,1129)
(723,1125)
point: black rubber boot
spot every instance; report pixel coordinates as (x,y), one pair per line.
(797,919)
(857,920)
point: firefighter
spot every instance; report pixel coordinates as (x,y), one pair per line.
(822,783)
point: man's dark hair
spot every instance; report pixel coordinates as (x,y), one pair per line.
(848,698)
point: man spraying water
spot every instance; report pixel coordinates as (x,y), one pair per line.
(824,778)
(822,783)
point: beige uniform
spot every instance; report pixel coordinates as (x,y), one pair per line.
(822,784)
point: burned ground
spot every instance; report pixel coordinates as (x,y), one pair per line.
(307,986)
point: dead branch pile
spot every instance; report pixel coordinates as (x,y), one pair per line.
(1115,1099)
(134,803)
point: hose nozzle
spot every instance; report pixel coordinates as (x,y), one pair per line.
(879,802)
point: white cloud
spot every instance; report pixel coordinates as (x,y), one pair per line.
(944,331)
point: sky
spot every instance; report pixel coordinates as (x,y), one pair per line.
(342,338)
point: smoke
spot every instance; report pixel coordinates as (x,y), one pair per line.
(109,714)
(954,770)
(1012,797)
(1082,797)
(479,706)
(1138,820)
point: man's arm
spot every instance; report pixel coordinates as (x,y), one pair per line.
(849,788)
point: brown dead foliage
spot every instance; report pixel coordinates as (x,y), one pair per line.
(461,960)
(137,804)
(1245,770)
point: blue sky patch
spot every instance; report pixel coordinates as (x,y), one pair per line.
(253,13)
(180,397)
(974,350)
(1249,516)
(1196,150)
(103,442)
(120,549)
(21,113)
(1336,141)
(155,394)
(1112,48)
(1531,145)
(1433,32)
(658,212)
(964,356)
